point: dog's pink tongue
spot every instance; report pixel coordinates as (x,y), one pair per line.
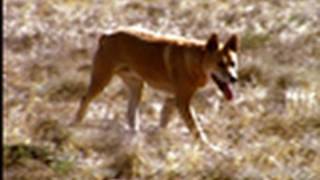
(228,92)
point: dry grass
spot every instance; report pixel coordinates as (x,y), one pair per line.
(272,128)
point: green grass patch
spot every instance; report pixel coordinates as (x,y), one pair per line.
(15,153)
(21,154)
(62,167)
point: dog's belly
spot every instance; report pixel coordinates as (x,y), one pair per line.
(155,80)
(165,86)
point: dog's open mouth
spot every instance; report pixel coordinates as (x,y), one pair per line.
(225,87)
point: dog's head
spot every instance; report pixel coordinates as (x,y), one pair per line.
(221,63)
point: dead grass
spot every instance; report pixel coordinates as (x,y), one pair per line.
(272,128)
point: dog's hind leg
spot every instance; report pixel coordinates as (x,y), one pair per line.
(135,86)
(100,76)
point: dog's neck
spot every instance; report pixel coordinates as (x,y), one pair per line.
(194,63)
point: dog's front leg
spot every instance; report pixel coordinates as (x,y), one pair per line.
(189,116)
(193,125)
(183,105)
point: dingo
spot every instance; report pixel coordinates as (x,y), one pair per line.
(177,66)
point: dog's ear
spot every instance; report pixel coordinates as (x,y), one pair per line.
(213,43)
(232,43)
(102,40)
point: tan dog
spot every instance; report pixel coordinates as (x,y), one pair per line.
(174,65)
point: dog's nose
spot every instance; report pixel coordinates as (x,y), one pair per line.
(233,79)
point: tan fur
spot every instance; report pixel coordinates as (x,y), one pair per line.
(174,65)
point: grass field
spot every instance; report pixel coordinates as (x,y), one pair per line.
(272,128)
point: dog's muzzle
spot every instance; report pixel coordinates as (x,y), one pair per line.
(233,79)
(225,87)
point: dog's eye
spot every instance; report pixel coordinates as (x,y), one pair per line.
(232,64)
